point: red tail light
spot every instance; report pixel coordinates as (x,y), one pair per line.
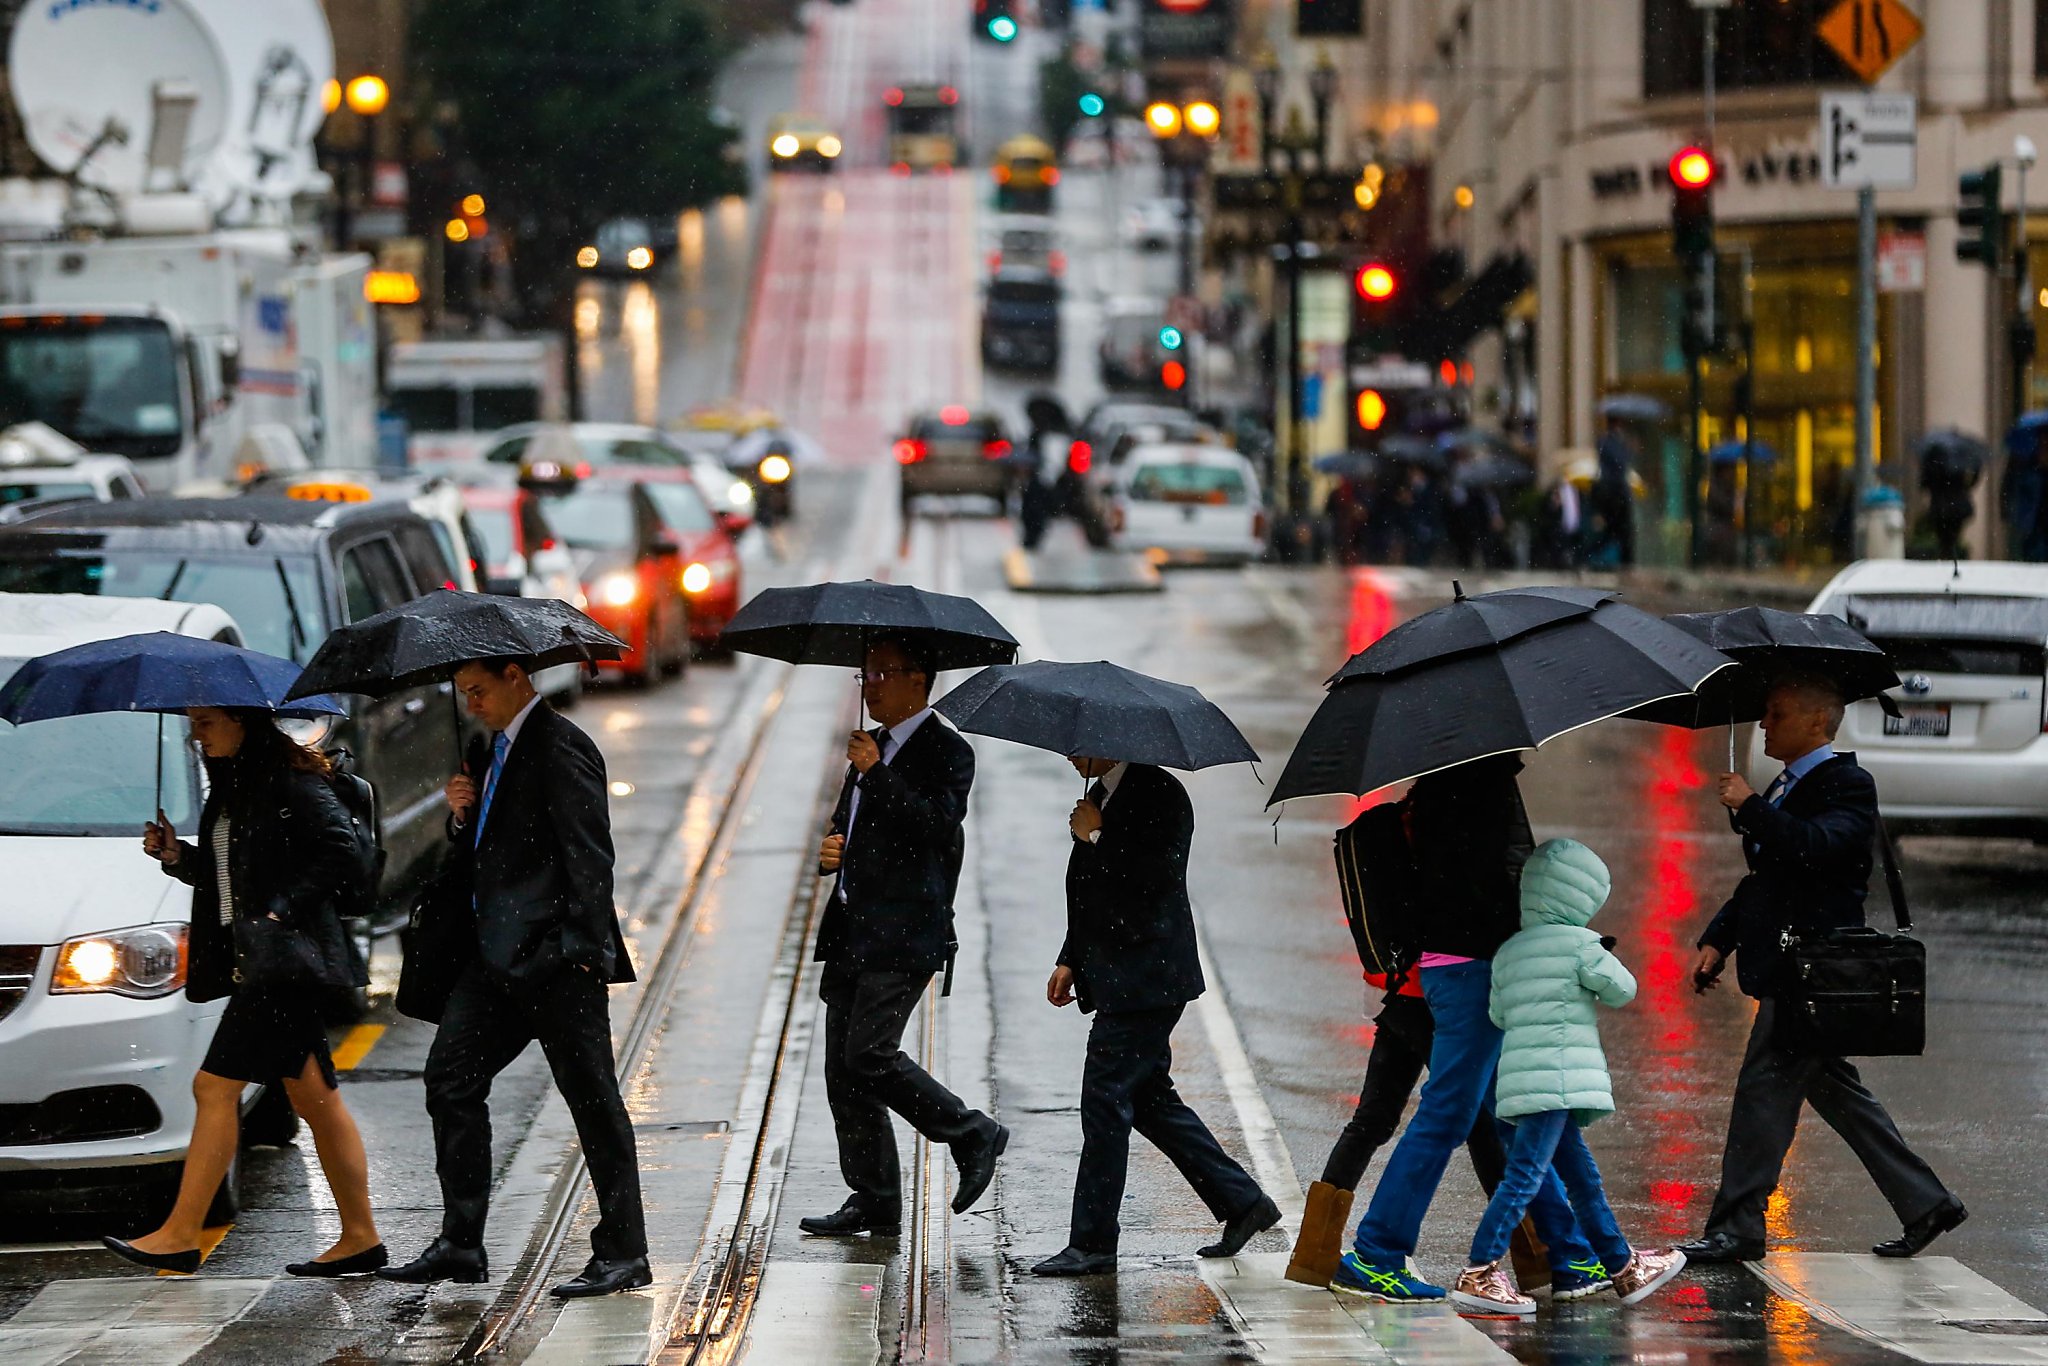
(909,452)
(548,544)
(1002,175)
(1050,175)
(995,262)
(1056,262)
(1259,524)
(994,450)
(1116,517)
(948,95)
(1080,456)
(894,95)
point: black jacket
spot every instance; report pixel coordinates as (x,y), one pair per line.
(1130,929)
(541,875)
(289,846)
(1809,868)
(902,863)
(1470,837)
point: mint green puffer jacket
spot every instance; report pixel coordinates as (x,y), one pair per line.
(1545,981)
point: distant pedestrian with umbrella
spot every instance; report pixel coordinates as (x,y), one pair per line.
(276,850)
(893,851)
(517,938)
(1130,953)
(1951,464)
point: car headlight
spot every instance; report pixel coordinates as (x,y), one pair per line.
(617,590)
(586,257)
(639,258)
(785,145)
(740,497)
(145,962)
(829,146)
(774,469)
(696,577)
(310,731)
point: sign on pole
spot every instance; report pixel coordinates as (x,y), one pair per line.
(1867,141)
(1901,262)
(1869,35)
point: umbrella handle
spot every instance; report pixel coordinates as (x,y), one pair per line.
(455,710)
(159,761)
(1731,746)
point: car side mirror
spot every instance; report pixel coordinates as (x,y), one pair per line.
(662,546)
(734,524)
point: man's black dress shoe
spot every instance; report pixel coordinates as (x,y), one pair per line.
(601,1277)
(184,1263)
(442,1261)
(1924,1230)
(1721,1249)
(1242,1228)
(1072,1261)
(852,1218)
(355,1264)
(977,1168)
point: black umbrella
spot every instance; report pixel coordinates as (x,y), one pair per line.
(1766,644)
(833,623)
(1355,467)
(1634,408)
(1467,624)
(1493,470)
(1097,711)
(429,638)
(1413,450)
(1372,731)
(1953,456)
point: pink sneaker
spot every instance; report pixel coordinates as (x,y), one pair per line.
(1487,1290)
(1646,1273)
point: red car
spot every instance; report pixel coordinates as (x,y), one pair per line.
(710,573)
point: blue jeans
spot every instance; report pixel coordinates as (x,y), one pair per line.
(1462,1058)
(1549,1146)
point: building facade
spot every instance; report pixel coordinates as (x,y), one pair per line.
(1548,124)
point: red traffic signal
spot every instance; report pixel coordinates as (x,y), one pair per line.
(1374,281)
(1692,168)
(1173,376)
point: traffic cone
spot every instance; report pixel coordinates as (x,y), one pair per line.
(1323,1222)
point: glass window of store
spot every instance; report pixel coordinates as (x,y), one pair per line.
(1786,502)
(1758,43)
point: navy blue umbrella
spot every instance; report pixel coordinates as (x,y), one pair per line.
(156,671)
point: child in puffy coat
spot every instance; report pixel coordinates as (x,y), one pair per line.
(1553,1077)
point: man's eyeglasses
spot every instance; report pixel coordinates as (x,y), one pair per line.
(878,675)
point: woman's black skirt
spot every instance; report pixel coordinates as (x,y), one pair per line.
(267,1037)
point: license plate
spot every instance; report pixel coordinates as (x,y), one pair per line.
(1923,719)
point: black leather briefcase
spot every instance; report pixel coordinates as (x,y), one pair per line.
(1857,992)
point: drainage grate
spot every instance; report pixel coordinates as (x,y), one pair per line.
(2005,1328)
(381,1074)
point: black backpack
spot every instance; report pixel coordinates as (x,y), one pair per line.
(1376,877)
(357,898)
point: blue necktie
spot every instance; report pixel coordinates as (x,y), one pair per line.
(500,746)
(1777,790)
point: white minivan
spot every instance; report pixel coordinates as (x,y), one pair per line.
(1188,504)
(98,1043)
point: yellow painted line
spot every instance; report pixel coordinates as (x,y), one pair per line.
(356,1045)
(209,1239)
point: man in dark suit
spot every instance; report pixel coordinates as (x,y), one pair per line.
(532,856)
(893,851)
(1130,958)
(1808,839)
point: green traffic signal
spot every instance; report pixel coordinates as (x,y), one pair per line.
(1170,338)
(1093,104)
(1980,218)
(1002,28)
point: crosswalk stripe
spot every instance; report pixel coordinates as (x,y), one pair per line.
(126,1319)
(1917,1307)
(817,1311)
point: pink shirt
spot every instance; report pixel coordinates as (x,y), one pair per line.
(1439,960)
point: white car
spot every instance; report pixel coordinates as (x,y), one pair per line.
(38,464)
(1969,751)
(1188,504)
(99,1041)
(1154,225)
(433,496)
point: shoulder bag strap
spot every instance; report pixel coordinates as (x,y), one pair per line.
(1895,884)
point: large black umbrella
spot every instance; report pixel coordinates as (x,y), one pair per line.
(1493,470)
(833,623)
(1355,467)
(1766,644)
(1097,711)
(429,638)
(1467,624)
(1413,450)
(1375,730)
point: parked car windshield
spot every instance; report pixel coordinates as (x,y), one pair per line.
(92,775)
(276,601)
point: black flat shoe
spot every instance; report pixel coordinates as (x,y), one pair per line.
(605,1278)
(442,1261)
(851,1219)
(1242,1228)
(1924,1230)
(184,1263)
(1072,1261)
(977,1169)
(355,1264)
(1722,1249)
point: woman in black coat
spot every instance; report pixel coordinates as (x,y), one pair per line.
(274,841)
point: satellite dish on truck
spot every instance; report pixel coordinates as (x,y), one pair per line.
(85,79)
(280,57)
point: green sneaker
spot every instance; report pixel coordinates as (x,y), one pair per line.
(1388,1284)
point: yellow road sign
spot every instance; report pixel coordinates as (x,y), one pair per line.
(1869,35)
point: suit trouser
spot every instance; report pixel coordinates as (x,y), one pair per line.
(1769,1090)
(867,1074)
(485,1026)
(1125,1085)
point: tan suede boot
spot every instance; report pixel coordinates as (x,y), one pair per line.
(1323,1222)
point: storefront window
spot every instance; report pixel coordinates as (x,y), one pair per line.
(1758,43)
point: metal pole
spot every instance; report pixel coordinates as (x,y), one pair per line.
(1708,49)
(1866,345)
(1695,465)
(2022,265)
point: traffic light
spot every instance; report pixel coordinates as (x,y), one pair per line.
(1371,409)
(1173,376)
(1170,338)
(1693,173)
(1980,217)
(1092,104)
(1329,18)
(1377,321)
(995,21)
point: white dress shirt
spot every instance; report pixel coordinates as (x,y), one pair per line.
(1109,781)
